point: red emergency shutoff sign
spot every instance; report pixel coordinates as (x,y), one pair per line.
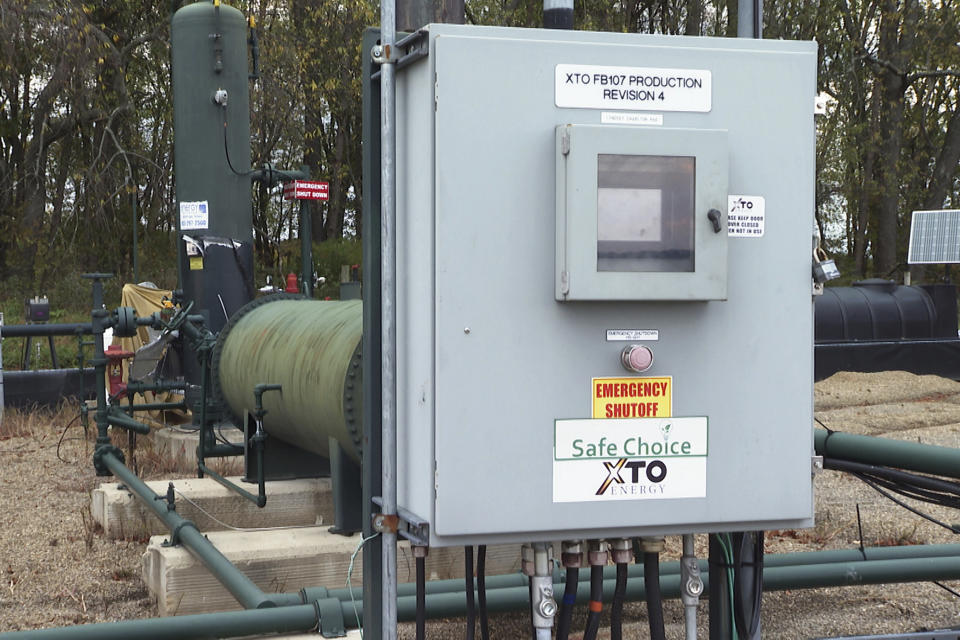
(306,190)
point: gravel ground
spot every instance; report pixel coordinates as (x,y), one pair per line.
(57,569)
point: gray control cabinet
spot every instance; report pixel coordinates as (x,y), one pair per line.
(563,198)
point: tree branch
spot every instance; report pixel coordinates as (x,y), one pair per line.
(936,73)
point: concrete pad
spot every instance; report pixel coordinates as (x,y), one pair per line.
(352,634)
(286,560)
(179,443)
(212,506)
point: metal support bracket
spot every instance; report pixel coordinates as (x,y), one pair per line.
(816,464)
(414,46)
(175,534)
(330,614)
(691,584)
(409,525)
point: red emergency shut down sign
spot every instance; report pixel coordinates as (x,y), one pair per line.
(306,190)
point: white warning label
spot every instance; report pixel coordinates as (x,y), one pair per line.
(746,216)
(582,86)
(194,215)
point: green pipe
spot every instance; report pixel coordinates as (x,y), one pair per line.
(259,500)
(155,406)
(452,604)
(141,387)
(44,330)
(834,574)
(925,458)
(672,568)
(245,591)
(223,451)
(119,419)
(226,624)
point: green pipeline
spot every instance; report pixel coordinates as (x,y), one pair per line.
(913,456)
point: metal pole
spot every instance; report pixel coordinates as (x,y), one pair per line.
(750,19)
(372,317)
(558,14)
(691,586)
(306,243)
(388,239)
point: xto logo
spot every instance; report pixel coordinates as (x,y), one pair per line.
(741,204)
(656,471)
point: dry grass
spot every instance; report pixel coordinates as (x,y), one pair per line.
(56,567)
(29,423)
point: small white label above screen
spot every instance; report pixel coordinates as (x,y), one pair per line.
(581,86)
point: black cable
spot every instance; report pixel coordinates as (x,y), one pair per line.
(913,492)
(651,583)
(226,150)
(747,630)
(468,578)
(566,605)
(946,588)
(895,475)
(533,628)
(909,485)
(421,598)
(482,591)
(60,442)
(616,608)
(908,507)
(596,602)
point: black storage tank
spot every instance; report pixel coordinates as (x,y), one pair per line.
(875,310)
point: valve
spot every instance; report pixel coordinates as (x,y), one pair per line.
(115,357)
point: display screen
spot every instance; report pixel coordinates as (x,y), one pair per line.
(645,213)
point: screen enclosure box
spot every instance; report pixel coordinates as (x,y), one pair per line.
(633,213)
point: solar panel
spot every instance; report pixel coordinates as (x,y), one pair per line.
(935,237)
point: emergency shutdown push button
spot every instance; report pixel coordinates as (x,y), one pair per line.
(636,358)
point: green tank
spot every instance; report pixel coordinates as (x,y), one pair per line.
(211,116)
(312,349)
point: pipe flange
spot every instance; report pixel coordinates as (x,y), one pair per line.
(126,326)
(101,451)
(216,393)
(353,398)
